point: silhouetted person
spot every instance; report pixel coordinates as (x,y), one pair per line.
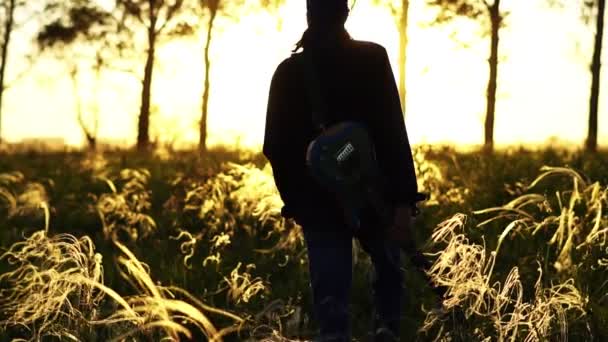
(357,84)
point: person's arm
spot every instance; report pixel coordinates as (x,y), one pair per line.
(394,150)
(275,134)
(392,143)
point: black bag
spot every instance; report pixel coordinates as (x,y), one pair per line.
(342,158)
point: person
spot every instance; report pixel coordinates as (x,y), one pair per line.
(357,84)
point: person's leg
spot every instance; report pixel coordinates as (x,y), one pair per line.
(387,285)
(330,265)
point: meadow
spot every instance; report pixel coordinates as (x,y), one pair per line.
(173,246)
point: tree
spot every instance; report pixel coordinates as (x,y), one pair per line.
(213,9)
(128,18)
(154,16)
(591,11)
(90,130)
(8,9)
(69,29)
(489,14)
(89,133)
(400,10)
(596,67)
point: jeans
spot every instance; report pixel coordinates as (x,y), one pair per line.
(330,265)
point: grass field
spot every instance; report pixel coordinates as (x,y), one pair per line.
(120,246)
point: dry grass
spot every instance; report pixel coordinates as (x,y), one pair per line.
(23,199)
(156,307)
(53,287)
(496,308)
(56,289)
(237,199)
(123,212)
(575,217)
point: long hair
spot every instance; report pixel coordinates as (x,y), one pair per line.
(325,20)
(309,38)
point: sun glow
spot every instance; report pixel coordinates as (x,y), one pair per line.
(542,91)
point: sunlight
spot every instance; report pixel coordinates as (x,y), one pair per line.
(542,91)
(240,85)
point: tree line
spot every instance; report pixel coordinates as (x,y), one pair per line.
(70,26)
(493,19)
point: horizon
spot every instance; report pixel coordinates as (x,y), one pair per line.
(534,104)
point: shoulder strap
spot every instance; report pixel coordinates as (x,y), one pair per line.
(313,88)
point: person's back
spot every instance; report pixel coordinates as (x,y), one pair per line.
(355,83)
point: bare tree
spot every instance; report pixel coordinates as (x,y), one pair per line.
(212,10)
(599,7)
(89,133)
(8,9)
(153,16)
(89,129)
(69,30)
(126,20)
(592,13)
(400,11)
(488,13)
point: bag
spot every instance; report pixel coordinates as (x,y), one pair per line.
(342,158)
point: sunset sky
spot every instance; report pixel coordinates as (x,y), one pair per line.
(543,89)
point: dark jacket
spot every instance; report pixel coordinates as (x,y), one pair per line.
(357,84)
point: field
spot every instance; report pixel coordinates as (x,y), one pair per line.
(172,246)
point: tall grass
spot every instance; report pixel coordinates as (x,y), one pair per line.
(523,256)
(51,290)
(123,212)
(494,308)
(239,199)
(573,225)
(57,289)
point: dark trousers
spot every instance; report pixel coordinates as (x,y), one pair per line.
(330,264)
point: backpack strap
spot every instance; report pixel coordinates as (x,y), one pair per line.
(313,90)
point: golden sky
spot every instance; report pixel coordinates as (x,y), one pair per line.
(543,88)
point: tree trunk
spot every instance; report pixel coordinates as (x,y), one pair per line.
(8,29)
(495,20)
(143,135)
(202,145)
(91,137)
(403,24)
(596,66)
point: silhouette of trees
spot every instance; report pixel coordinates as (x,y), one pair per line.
(489,14)
(155,18)
(7,26)
(400,11)
(90,130)
(211,7)
(598,7)
(212,10)
(591,12)
(68,30)
(118,30)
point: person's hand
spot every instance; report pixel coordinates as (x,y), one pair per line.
(403,221)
